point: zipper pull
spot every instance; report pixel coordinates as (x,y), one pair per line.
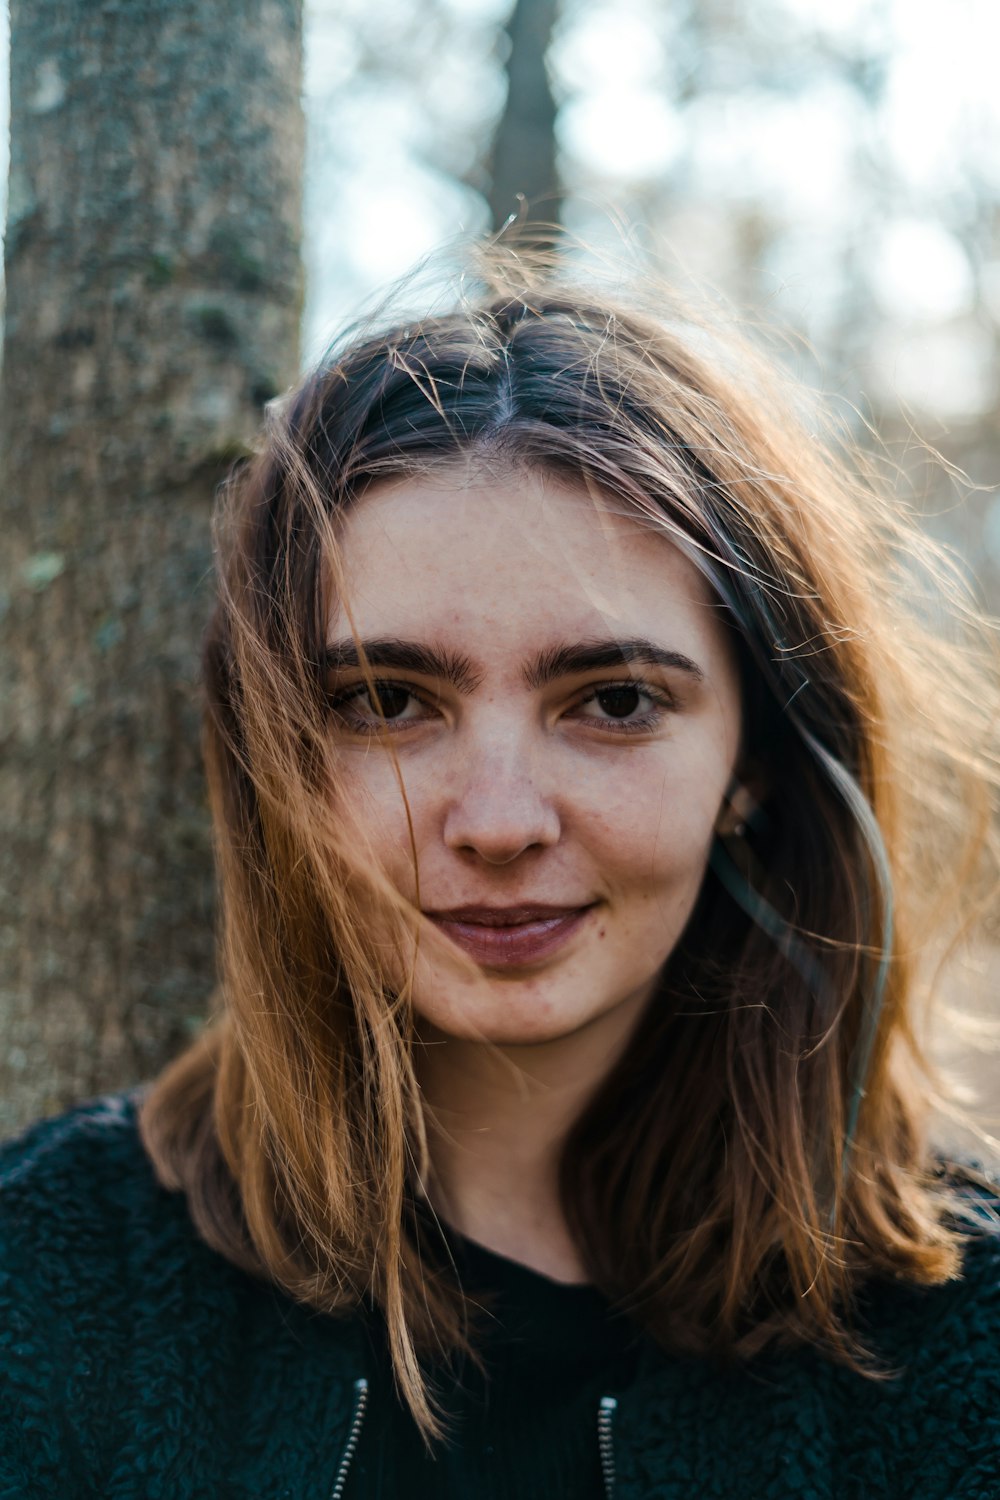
(357,1417)
(605,1438)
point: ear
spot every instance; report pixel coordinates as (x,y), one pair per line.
(743,803)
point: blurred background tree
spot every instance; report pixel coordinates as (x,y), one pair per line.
(832,166)
(522,169)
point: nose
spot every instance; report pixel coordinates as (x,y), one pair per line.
(500,810)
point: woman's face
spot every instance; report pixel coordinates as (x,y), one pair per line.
(562,703)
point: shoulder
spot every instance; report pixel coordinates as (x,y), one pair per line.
(938,1412)
(977,1195)
(92,1245)
(78,1200)
(933,1321)
(966,1311)
(83,1222)
(79,1183)
(86,1226)
(95,1139)
(974,1213)
(133,1357)
(795,1421)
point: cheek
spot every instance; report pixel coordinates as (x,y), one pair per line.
(373,815)
(652,852)
(654,830)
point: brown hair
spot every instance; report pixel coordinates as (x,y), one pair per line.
(759,1149)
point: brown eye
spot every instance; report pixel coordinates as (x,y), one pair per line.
(390,698)
(362,708)
(618,702)
(625,707)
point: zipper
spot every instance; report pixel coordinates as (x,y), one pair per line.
(605,1438)
(357,1417)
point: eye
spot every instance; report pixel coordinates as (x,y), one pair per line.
(619,702)
(359,710)
(625,707)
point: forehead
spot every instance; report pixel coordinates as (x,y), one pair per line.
(518,552)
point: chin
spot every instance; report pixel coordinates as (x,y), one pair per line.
(503,1018)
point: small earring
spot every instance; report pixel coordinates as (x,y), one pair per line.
(739,830)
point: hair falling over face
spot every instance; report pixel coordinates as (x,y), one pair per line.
(759,1149)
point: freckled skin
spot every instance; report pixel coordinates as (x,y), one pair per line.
(523,793)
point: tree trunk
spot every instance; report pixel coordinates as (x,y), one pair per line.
(524,148)
(153,299)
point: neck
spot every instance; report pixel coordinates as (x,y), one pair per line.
(498,1118)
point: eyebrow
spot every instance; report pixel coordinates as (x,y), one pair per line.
(547,666)
(588,656)
(405,656)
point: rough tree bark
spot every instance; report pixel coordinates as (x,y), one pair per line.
(153,299)
(523,159)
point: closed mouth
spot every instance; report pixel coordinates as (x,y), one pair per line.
(511,937)
(506,916)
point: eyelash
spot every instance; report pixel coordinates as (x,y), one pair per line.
(662,701)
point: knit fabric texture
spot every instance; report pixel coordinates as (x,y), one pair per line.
(136,1362)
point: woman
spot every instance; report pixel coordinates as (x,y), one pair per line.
(589,800)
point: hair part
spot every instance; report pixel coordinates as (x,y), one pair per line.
(760,1149)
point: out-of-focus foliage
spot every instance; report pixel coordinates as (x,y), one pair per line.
(402,101)
(831,165)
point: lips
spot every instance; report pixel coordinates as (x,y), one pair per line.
(510,936)
(503,916)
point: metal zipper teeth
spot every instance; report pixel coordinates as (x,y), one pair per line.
(605,1437)
(358,1416)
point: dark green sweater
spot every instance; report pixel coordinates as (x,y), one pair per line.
(525,1422)
(135,1362)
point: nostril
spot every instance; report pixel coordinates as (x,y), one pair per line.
(491,858)
(499,834)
